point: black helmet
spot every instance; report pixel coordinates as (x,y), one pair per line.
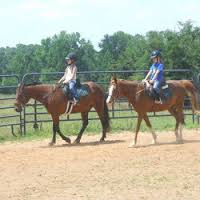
(155,54)
(71,56)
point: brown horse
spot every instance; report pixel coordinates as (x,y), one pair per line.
(142,103)
(55,101)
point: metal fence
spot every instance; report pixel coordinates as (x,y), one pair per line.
(35,114)
(9,118)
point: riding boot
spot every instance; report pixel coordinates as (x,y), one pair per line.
(163,98)
(157,96)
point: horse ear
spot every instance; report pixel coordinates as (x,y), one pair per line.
(114,78)
(21,86)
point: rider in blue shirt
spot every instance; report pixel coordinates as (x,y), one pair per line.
(156,72)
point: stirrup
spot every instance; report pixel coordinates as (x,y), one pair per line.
(158,101)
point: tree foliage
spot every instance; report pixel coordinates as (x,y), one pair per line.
(119,51)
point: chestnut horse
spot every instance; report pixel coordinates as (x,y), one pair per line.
(142,103)
(53,98)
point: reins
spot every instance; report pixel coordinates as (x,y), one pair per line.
(140,91)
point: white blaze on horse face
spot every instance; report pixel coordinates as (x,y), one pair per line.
(110,93)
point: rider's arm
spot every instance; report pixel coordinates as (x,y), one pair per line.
(155,75)
(159,69)
(147,76)
(63,77)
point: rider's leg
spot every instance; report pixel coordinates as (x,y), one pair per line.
(72,87)
(156,88)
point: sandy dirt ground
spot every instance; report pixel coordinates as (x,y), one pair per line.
(105,171)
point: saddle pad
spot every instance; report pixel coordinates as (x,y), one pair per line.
(165,87)
(82,91)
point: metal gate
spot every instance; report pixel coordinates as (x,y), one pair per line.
(35,114)
(8,117)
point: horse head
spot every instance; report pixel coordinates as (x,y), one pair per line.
(21,98)
(113,92)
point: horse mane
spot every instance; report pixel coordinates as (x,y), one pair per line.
(39,84)
(129,81)
(132,83)
(50,88)
(32,84)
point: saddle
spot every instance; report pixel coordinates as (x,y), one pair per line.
(82,90)
(164,95)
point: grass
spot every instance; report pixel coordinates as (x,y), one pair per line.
(166,123)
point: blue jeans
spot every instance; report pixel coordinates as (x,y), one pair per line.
(157,86)
(72,87)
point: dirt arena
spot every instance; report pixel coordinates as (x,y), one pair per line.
(108,171)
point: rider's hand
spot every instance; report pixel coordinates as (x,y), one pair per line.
(58,84)
(151,81)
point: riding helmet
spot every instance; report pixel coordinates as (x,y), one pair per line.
(155,54)
(71,56)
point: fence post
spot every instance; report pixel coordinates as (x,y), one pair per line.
(35,125)
(21,123)
(113,110)
(24,120)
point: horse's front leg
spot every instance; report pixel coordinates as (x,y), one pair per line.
(139,120)
(67,139)
(56,129)
(146,119)
(55,119)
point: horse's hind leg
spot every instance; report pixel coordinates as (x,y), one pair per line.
(100,111)
(181,122)
(84,116)
(146,119)
(174,113)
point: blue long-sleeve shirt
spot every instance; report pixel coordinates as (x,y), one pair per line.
(154,68)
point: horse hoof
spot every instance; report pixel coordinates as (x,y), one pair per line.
(102,140)
(179,141)
(76,142)
(132,145)
(154,142)
(68,140)
(51,144)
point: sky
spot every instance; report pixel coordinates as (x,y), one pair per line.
(30,21)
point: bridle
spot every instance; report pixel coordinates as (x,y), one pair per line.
(146,85)
(22,96)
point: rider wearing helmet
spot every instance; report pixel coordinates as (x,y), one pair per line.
(156,73)
(70,75)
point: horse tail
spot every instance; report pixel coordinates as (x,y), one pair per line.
(192,92)
(106,117)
